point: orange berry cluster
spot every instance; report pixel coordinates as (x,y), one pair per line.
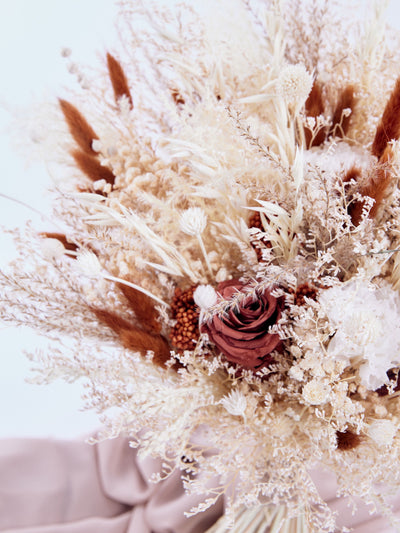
(302,291)
(185,333)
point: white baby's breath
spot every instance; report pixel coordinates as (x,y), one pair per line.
(315,392)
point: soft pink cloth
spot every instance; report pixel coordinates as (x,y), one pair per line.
(72,487)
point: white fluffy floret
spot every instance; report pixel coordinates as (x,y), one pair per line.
(367,328)
(235,403)
(205,296)
(315,392)
(193,221)
(295,84)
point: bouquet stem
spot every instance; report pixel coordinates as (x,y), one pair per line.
(261,519)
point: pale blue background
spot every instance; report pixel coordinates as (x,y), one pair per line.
(32,32)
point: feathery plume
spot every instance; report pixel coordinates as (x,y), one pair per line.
(118,79)
(389,125)
(314,108)
(92,168)
(143,308)
(78,126)
(134,338)
(341,116)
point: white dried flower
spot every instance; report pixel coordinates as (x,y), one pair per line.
(380,410)
(88,264)
(205,296)
(367,329)
(193,221)
(382,432)
(235,403)
(296,373)
(222,275)
(295,84)
(315,392)
(52,249)
(97,145)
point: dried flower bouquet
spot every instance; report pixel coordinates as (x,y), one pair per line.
(227,266)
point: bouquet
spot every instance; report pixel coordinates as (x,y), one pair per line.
(225,271)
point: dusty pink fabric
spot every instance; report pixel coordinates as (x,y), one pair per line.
(70,487)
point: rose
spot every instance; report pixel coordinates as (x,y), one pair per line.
(242,333)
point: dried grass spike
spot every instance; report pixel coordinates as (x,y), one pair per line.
(78,126)
(340,120)
(375,187)
(389,125)
(92,167)
(118,79)
(134,338)
(143,308)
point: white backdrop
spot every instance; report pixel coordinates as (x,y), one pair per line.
(32,33)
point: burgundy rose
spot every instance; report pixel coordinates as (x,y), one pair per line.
(242,333)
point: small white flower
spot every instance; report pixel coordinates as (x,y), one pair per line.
(221,275)
(382,432)
(315,392)
(235,403)
(52,249)
(296,373)
(193,221)
(88,264)
(205,297)
(295,84)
